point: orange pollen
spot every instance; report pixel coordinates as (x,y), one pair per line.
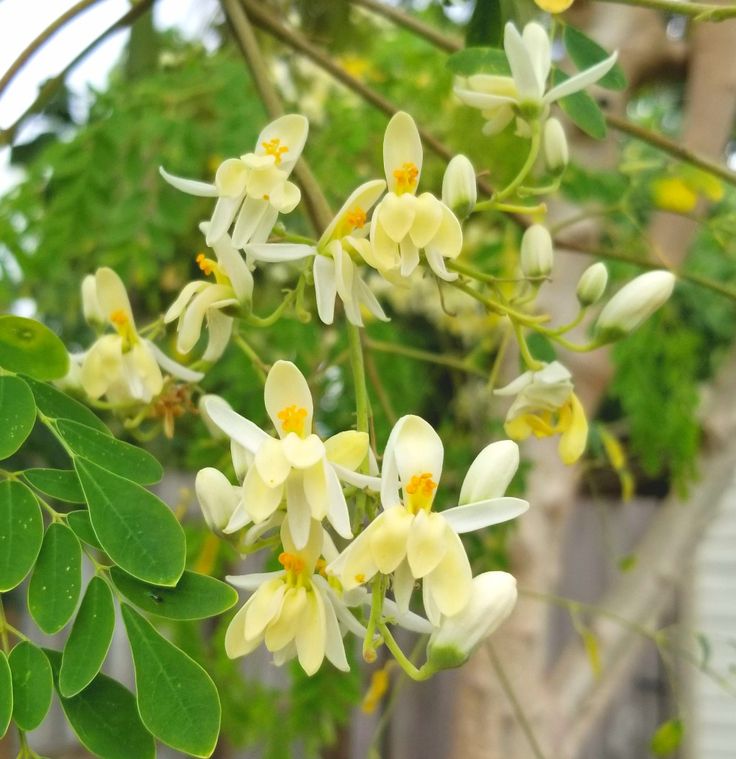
(360,578)
(275,148)
(119,318)
(356,218)
(406,177)
(291,563)
(293,419)
(207,265)
(421,483)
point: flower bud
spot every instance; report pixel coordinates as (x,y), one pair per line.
(459,191)
(492,599)
(217,497)
(633,304)
(537,256)
(93,314)
(554,143)
(491,472)
(592,284)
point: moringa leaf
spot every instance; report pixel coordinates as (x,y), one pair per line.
(29,347)
(17,414)
(21,533)
(32,685)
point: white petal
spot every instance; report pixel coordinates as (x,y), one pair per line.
(409,256)
(298,511)
(401,144)
(264,606)
(222,218)
(581,80)
(172,367)
(248,219)
(362,481)
(325,288)
(235,642)
(418,450)
(348,449)
(111,293)
(334,648)
(283,629)
(311,635)
(426,545)
(483,100)
(262,232)
(449,584)
(254,580)
(277,252)
(396,215)
(219,328)
(369,300)
(491,472)
(427,219)
(272,465)
(337,509)
(190,186)
(388,542)
(236,427)
(260,500)
(235,267)
(286,387)
(403,586)
(285,198)
(363,198)
(189,290)
(316,488)
(303,453)
(476,516)
(537,45)
(437,265)
(291,130)
(522,68)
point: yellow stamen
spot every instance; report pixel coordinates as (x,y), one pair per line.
(123,326)
(360,579)
(275,148)
(406,177)
(207,265)
(291,563)
(293,419)
(420,492)
(356,218)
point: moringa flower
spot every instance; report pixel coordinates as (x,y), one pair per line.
(124,367)
(546,405)
(200,300)
(410,541)
(252,190)
(524,93)
(296,465)
(403,224)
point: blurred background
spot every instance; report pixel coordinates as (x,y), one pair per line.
(623,645)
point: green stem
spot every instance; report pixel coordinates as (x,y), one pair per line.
(526,355)
(565,327)
(378,592)
(358,366)
(421,355)
(696,11)
(492,205)
(498,360)
(260,368)
(415,673)
(3,628)
(274,316)
(516,182)
(498,307)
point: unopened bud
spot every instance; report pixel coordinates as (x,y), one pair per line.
(459,191)
(93,314)
(217,497)
(492,599)
(592,284)
(633,304)
(537,256)
(554,142)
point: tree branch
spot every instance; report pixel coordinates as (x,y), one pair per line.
(696,11)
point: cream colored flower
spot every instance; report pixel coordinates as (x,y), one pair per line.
(403,223)
(410,541)
(252,190)
(546,405)
(296,466)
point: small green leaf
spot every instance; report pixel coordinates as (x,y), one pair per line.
(6,694)
(82,527)
(114,455)
(195,596)
(61,484)
(541,347)
(584,53)
(177,700)
(479,60)
(21,533)
(105,718)
(17,414)
(32,685)
(667,737)
(136,529)
(29,347)
(582,109)
(89,639)
(56,580)
(486,24)
(57,405)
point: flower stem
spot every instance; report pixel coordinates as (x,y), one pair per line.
(526,168)
(260,368)
(415,673)
(378,591)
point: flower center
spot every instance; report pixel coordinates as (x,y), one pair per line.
(293,419)
(208,267)
(420,492)
(356,218)
(275,148)
(295,573)
(406,177)
(124,328)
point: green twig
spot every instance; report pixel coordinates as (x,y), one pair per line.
(421,355)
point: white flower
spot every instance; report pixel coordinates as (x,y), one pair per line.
(123,367)
(537,256)
(633,304)
(403,224)
(296,465)
(522,95)
(492,599)
(217,498)
(291,611)
(200,300)
(554,145)
(592,284)
(411,541)
(252,190)
(459,188)
(546,405)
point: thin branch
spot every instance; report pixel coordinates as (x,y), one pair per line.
(420,355)
(52,86)
(427,32)
(670,146)
(42,38)
(317,206)
(696,11)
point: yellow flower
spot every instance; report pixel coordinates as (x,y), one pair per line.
(554,6)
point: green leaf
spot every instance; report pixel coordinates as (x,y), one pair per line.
(114,455)
(177,700)
(32,685)
(29,347)
(135,528)
(105,718)
(541,347)
(89,640)
(486,24)
(81,525)
(57,405)
(57,579)
(17,414)
(584,53)
(582,109)
(6,694)
(61,484)
(479,60)
(667,737)
(21,533)
(195,596)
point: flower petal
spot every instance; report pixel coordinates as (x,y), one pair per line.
(251,213)
(254,580)
(396,215)
(291,130)
(298,511)
(362,198)
(348,449)
(219,328)
(264,606)
(235,426)
(190,186)
(316,488)
(426,545)
(417,449)
(271,463)
(222,218)
(476,516)
(111,293)
(311,634)
(236,643)
(388,542)
(427,219)
(303,453)
(491,472)
(259,499)
(401,144)
(325,287)
(334,647)
(172,367)
(286,387)
(522,68)
(581,80)
(283,629)
(449,584)
(337,507)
